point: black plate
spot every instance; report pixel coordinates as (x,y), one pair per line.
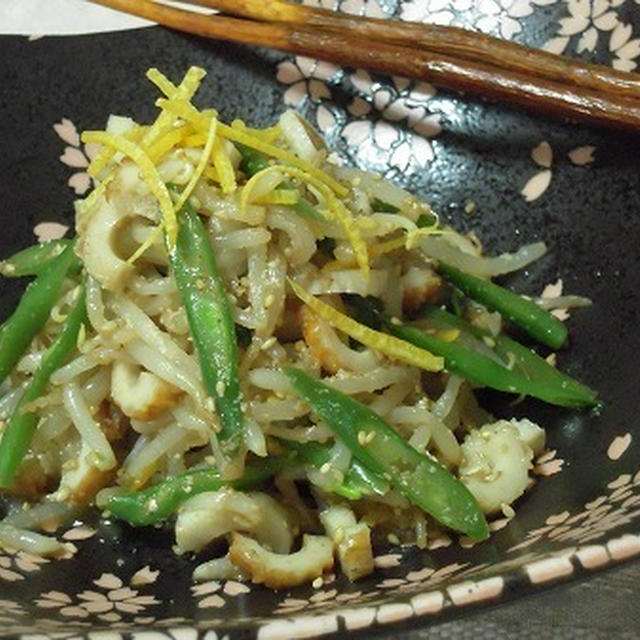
(582,516)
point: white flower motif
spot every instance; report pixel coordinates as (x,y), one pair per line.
(14,565)
(501,16)
(542,155)
(434,11)
(308,79)
(369,8)
(403,147)
(11,607)
(587,18)
(75,155)
(625,48)
(109,603)
(426,578)
(497,17)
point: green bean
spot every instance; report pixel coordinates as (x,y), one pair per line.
(358,480)
(32,260)
(524,360)
(253,162)
(18,435)
(533,376)
(537,322)
(423,480)
(159,502)
(380,206)
(33,310)
(212,329)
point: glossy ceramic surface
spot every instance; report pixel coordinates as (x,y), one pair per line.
(510,176)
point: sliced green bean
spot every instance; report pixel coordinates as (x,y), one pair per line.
(420,478)
(536,321)
(19,432)
(33,310)
(253,162)
(358,481)
(159,502)
(212,329)
(525,361)
(532,376)
(32,260)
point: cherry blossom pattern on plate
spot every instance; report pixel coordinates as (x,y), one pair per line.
(10,611)
(390,124)
(588,22)
(598,517)
(45,231)
(213,594)
(389,119)
(501,18)
(543,156)
(110,602)
(75,155)
(17,565)
(619,446)
(547,464)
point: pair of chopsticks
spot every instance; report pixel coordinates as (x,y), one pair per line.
(448,57)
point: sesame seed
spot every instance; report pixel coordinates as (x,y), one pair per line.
(325,468)
(210,405)
(507,510)
(220,388)
(370,436)
(317,583)
(200,284)
(362,438)
(268,343)
(269,300)
(395,320)
(393,538)
(339,537)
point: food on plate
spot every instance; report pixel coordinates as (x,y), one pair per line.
(274,354)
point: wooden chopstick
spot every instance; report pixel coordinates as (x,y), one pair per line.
(448,41)
(589,93)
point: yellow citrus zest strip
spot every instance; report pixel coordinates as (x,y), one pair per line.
(211,173)
(153,236)
(224,168)
(269,134)
(149,174)
(185,91)
(83,206)
(286,197)
(188,86)
(166,143)
(339,211)
(354,236)
(407,242)
(238,135)
(199,170)
(104,156)
(382,342)
(245,195)
(194,140)
(185,110)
